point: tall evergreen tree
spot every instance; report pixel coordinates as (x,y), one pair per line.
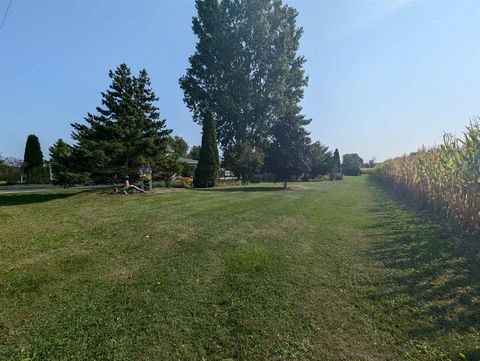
(289,153)
(34,168)
(33,156)
(336,171)
(126,133)
(208,167)
(245,69)
(322,159)
(60,157)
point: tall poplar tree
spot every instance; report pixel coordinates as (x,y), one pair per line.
(245,69)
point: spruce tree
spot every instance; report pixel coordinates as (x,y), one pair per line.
(322,159)
(126,133)
(33,156)
(208,167)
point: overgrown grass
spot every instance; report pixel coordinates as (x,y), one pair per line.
(332,271)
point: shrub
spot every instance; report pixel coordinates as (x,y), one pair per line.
(186,181)
(38,175)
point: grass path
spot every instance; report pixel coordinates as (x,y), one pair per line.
(334,271)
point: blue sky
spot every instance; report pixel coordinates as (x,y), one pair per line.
(385,76)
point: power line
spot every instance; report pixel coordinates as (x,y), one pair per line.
(6,13)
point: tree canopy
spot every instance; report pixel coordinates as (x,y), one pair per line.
(194,152)
(245,69)
(289,153)
(126,133)
(179,146)
(351,164)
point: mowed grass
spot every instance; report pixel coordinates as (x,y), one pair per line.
(331,271)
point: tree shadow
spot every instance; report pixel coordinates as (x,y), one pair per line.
(17,199)
(433,273)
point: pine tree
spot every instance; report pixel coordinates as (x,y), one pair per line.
(322,159)
(208,167)
(126,133)
(289,153)
(63,165)
(33,156)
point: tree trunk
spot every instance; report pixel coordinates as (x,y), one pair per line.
(284,184)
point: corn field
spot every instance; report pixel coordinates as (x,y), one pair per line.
(445,179)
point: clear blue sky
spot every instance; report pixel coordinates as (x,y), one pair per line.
(385,76)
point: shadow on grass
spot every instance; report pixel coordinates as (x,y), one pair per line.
(30,198)
(433,273)
(239,189)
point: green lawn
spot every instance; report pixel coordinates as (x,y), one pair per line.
(331,271)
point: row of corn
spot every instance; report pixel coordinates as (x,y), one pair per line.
(445,179)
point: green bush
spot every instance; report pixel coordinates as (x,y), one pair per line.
(38,175)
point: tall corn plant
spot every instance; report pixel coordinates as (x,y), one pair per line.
(445,179)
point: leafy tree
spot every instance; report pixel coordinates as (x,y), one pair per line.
(245,69)
(351,164)
(126,133)
(322,159)
(289,153)
(11,170)
(206,174)
(195,152)
(179,146)
(244,160)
